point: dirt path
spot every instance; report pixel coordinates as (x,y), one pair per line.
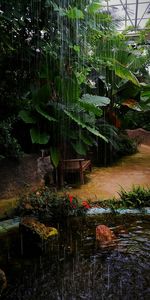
(104,183)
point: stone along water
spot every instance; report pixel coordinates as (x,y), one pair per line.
(76,267)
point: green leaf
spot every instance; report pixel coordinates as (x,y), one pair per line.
(75,13)
(83,125)
(81,77)
(93,7)
(76,48)
(91,108)
(68,89)
(95,100)
(42,95)
(45,114)
(55,156)
(27,117)
(86,140)
(145,94)
(79,147)
(38,137)
(124,73)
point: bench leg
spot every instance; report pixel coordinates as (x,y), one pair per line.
(81,177)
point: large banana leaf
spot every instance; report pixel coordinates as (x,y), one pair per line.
(83,125)
(91,108)
(45,114)
(67,88)
(27,117)
(95,100)
(124,73)
(79,147)
(38,137)
(55,156)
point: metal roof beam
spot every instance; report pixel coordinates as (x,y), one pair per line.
(143,15)
(126,11)
(111,5)
(136,14)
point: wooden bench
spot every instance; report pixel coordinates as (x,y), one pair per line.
(78,165)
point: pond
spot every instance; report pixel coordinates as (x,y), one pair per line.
(75,267)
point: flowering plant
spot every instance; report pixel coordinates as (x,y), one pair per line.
(46,204)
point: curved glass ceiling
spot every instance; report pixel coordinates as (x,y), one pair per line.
(134,13)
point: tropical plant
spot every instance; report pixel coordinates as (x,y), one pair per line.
(9,146)
(46,204)
(57,108)
(138,197)
(49,51)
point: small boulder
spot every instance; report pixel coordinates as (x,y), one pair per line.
(45,170)
(3,281)
(104,235)
(35,236)
(37,228)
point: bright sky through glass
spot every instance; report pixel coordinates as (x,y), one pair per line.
(131,12)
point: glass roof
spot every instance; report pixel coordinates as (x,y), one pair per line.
(134,13)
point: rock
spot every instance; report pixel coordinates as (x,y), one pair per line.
(104,235)
(140,135)
(3,281)
(45,169)
(35,235)
(37,228)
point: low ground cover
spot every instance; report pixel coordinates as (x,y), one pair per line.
(46,204)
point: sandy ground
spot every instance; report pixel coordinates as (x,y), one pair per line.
(104,183)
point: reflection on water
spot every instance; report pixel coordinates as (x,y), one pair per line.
(75,267)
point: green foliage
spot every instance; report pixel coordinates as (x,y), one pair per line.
(119,145)
(139,119)
(138,197)
(126,146)
(9,147)
(95,100)
(27,117)
(124,73)
(83,125)
(39,137)
(45,203)
(55,156)
(93,7)
(48,52)
(75,14)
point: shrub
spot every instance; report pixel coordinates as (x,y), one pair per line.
(46,204)
(127,146)
(138,197)
(9,146)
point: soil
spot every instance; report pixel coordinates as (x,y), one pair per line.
(18,176)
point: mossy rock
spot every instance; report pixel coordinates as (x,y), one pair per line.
(44,232)
(36,235)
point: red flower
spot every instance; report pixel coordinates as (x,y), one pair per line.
(70,198)
(85,204)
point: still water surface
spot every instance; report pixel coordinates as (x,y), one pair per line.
(75,267)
